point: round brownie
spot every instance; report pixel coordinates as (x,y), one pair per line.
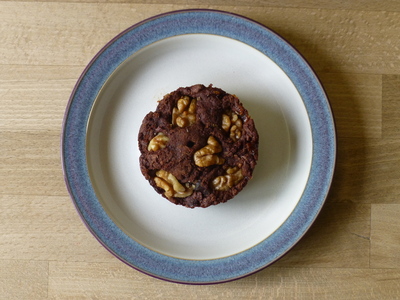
(200,146)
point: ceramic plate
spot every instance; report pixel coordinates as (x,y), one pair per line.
(124,82)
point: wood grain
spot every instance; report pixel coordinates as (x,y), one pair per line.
(391,106)
(23,279)
(367,171)
(339,238)
(44,228)
(356,101)
(98,281)
(31,162)
(375,5)
(332,40)
(385,236)
(350,252)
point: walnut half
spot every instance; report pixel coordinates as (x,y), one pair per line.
(233,176)
(158,142)
(207,155)
(171,185)
(233,124)
(184,114)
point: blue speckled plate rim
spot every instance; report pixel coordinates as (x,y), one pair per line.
(73,146)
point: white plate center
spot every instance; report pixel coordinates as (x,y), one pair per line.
(285,149)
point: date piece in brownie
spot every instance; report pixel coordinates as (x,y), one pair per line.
(199,147)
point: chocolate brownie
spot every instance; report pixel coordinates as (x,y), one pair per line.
(199,147)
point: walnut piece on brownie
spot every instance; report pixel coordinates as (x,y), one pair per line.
(199,147)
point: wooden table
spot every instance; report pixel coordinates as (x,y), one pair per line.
(351,252)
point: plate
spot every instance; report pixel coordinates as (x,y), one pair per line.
(123,83)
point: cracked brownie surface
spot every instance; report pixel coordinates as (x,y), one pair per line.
(199,147)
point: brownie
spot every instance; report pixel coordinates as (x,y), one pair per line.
(199,147)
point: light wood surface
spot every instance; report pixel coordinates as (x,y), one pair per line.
(351,252)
